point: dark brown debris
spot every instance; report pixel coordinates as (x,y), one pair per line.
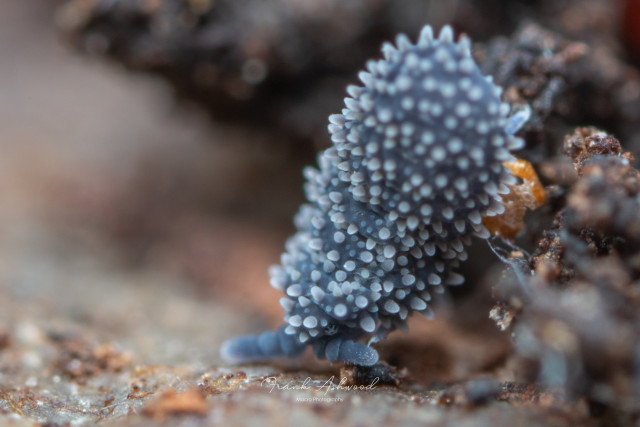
(566,82)
(580,319)
(533,66)
(381,373)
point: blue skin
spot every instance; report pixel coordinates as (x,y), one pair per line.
(339,347)
(272,345)
(519,117)
(337,340)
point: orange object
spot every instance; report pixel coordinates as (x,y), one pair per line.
(526,195)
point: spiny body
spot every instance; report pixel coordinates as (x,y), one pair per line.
(416,162)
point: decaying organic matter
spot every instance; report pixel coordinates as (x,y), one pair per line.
(579,313)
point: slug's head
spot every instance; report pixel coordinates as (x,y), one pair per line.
(425,138)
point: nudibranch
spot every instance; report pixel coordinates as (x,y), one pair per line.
(416,163)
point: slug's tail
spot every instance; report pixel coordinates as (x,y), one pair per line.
(271,345)
(255,348)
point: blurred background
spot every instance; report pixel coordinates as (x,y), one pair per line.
(151,156)
(152,153)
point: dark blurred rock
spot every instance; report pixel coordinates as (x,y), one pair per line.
(279,64)
(283,64)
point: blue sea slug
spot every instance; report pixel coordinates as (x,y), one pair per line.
(416,163)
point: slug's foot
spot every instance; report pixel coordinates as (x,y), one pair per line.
(347,351)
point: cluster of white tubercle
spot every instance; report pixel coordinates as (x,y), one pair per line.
(416,163)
